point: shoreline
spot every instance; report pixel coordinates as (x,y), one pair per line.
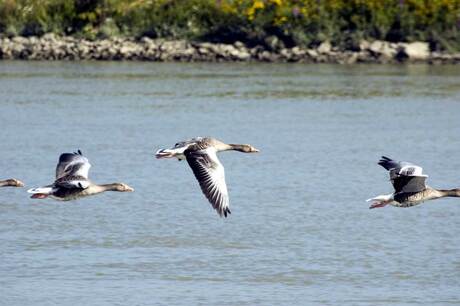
(52,47)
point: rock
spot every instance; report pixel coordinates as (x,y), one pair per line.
(312,53)
(364,45)
(297,51)
(376,46)
(52,47)
(324,47)
(49,36)
(414,51)
(239,45)
(146,40)
(240,54)
(19,40)
(203,50)
(285,53)
(352,58)
(382,49)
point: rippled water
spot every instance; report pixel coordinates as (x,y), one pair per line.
(300,231)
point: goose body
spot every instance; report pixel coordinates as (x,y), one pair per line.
(408,181)
(11,183)
(72,181)
(201,155)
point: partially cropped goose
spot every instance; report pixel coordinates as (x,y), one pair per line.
(11,183)
(200,153)
(72,180)
(409,183)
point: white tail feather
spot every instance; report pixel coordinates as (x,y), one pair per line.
(383,197)
(44,190)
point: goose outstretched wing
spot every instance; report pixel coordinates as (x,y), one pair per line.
(210,174)
(72,164)
(405,177)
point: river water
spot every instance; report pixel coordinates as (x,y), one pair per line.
(300,231)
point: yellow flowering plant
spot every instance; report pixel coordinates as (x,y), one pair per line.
(293,21)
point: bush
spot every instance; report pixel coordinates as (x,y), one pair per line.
(291,22)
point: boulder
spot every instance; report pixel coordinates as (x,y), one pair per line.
(239,45)
(382,49)
(325,47)
(414,51)
(364,45)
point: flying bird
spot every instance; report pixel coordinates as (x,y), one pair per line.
(11,183)
(201,155)
(409,184)
(72,181)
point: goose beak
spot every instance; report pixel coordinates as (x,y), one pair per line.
(164,153)
(19,183)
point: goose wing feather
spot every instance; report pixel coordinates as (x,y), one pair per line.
(409,184)
(72,164)
(210,173)
(72,182)
(405,177)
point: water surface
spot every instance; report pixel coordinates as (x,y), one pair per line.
(300,231)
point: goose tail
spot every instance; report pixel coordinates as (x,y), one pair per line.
(45,190)
(383,197)
(40,192)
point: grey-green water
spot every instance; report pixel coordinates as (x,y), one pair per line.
(300,231)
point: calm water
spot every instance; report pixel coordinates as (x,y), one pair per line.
(300,231)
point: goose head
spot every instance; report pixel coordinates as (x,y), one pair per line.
(14,183)
(245,148)
(250,149)
(122,187)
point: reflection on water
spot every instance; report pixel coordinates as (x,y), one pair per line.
(299,233)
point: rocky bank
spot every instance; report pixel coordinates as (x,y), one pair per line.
(51,47)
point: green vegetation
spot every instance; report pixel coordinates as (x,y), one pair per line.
(287,22)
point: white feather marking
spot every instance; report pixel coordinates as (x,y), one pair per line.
(383,197)
(44,190)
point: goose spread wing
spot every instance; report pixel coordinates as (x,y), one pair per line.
(72,182)
(72,164)
(402,168)
(409,184)
(405,177)
(211,175)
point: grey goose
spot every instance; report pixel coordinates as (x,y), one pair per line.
(201,155)
(409,186)
(72,180)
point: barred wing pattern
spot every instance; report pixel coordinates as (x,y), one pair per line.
(72,171)
(210,173)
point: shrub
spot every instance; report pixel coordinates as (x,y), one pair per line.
(292,22)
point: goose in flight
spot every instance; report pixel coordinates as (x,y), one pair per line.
(409,183)
(72,180)
(201,155)
(11,183)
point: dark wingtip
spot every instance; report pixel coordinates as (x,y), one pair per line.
(225,212)
(386,162)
